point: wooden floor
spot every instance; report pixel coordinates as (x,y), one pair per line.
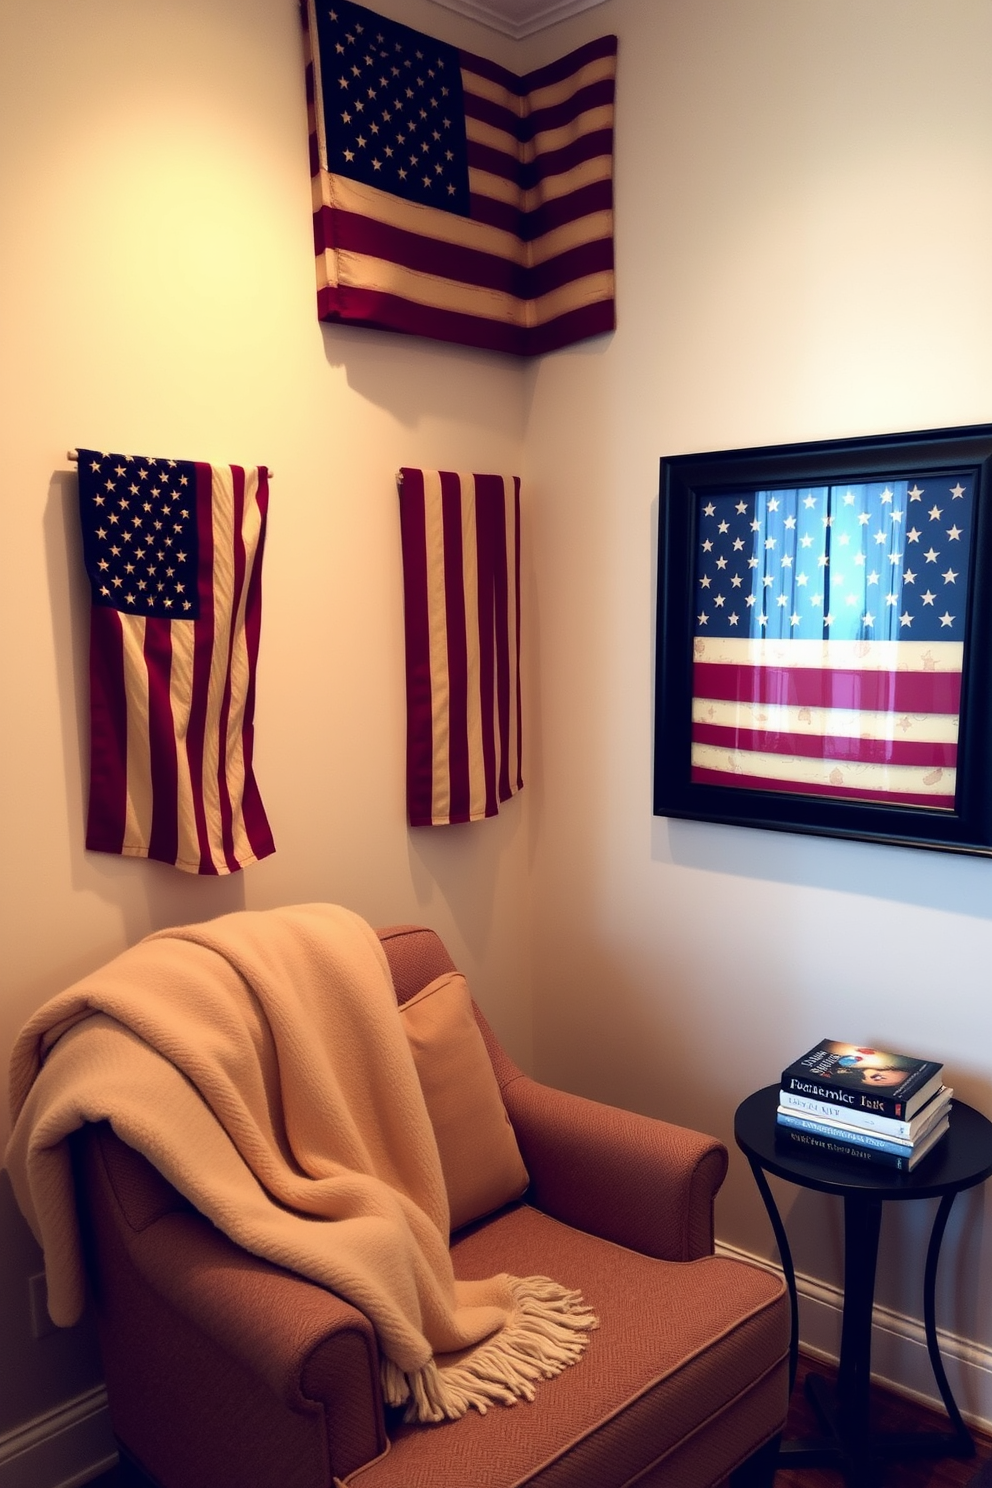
(891,1413)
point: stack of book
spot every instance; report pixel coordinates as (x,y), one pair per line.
(841,1100)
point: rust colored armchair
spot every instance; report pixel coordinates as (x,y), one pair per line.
(224,1371)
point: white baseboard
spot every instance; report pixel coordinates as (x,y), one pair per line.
(898,1346)
(64,1448)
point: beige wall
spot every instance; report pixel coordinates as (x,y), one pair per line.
(804,219)
(158,295)
(803,229)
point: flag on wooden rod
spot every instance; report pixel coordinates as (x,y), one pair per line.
(461,581)
(453,199)
(173,550)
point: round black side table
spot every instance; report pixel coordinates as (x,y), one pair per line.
(961,1159)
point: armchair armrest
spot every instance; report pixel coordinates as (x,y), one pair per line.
(195,1330)
(308,1345)
(642,1183)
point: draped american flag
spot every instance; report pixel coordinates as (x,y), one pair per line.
(173,551)
(453,199)
(828,638)
(461,581)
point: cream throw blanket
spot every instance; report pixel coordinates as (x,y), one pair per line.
(258,1061)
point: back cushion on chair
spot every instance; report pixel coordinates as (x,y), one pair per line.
(480,1159)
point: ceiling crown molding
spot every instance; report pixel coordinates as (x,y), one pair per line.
(518,18)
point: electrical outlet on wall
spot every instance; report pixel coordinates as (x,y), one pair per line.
(41,1323)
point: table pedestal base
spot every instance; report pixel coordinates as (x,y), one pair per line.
(960,1160)
(848,1443)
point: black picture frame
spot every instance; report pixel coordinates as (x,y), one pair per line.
(684,786)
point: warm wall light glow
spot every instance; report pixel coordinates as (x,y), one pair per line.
(175,251)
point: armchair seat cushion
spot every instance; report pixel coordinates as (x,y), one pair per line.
(693,1351)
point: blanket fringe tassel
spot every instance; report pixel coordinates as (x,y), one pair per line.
(547,1331)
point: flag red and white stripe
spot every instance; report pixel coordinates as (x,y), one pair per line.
(531,268)
(461,575)
(172,700)
(861,720)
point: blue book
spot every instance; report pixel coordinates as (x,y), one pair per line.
(837,1133)
(809,1144)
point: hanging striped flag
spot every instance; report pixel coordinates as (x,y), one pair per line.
(173,550)
(461,582)
(828,639)
(453,199)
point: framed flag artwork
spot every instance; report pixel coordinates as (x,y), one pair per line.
(823,638)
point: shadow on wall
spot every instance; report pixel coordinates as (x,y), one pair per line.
(148,895)
(816,1239)
(902,875)
(417,381)
(36,1373)
(462,863)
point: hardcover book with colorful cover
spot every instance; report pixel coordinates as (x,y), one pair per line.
(862,1079)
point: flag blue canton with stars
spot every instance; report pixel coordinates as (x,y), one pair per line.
(139,534)
(393,111)
(885,560)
